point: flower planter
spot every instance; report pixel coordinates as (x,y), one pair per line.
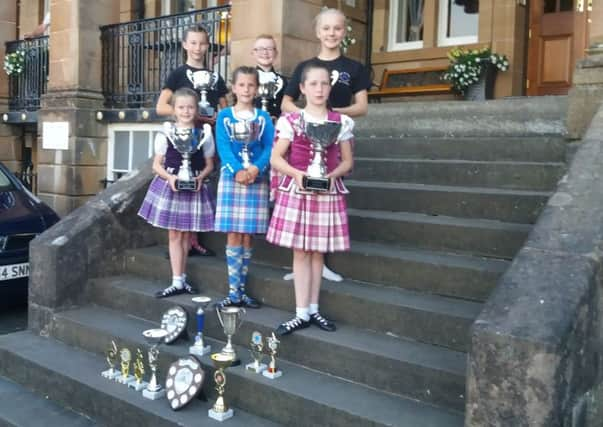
(484,88)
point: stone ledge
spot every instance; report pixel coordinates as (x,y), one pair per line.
(87,243)
(536,346)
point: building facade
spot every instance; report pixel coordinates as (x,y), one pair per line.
(82,112)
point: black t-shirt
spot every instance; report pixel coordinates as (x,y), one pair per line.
(348,77)
(274,104)
(179,78)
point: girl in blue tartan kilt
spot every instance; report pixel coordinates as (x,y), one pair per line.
(242,202)
(181,212)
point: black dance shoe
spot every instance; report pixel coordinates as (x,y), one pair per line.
(291,326)
(322,323)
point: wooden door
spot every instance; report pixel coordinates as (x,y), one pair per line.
(557,39)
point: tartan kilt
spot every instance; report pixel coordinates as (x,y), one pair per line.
(241,208)
(181,210)
(309,222)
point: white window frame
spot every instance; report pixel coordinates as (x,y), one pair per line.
(128,127)
(393,29)
(443,22)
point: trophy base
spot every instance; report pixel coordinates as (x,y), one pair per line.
(316,183)
(153,395)
(257,369)
(138,386)
(272,375)
(220,416)
(110,375)
(206,111)
(186,185)
(199,351)
(125,380)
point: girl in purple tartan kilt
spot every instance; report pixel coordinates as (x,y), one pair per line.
(310,222)
(181,212)
(242,205)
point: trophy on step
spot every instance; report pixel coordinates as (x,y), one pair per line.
(220,411)
(231,319)
(272,372)
(154,337)
(125,358)
(111,357)
(322,136)
(138,384)
(199,348)
(257,353)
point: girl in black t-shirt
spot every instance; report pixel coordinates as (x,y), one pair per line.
(349,79)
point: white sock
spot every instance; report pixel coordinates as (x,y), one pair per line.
(177,282)
(302,313)
(313,309)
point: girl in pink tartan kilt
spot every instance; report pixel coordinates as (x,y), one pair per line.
(310,222)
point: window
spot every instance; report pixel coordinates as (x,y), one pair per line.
(458,22)
(130,145)
(406,24)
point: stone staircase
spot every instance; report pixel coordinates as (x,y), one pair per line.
(442,197)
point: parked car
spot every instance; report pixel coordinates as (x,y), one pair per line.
(22,217)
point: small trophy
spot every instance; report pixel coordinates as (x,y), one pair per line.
(231,319)
(257,353)
(154,337)
(244,132)
(270,85)
(199,348)
(139,384)
(187,142)
(321,135)
(272,372)
(111,357)
(203,80)
(125,378)
(220,411)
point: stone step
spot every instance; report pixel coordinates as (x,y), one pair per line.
(20,407)
(468,202)
(399,366)
(492,148)
(533,176)
(437,272)
(300,397)
(520,117)
(72,377)
(474,236)
(427,318)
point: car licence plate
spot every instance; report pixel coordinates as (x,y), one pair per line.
(14,271)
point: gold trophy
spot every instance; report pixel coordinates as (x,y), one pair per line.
(111,357)
(230,319)
(139,384)
(272,372)
(257,353)
(220,411)
(125,377)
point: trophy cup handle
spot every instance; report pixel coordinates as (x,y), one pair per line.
(228,128)
(262,122)
(219,316)
(242,310)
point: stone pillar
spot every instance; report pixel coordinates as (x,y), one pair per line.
(289,21)
(67,178)
(595,24)
(10,136)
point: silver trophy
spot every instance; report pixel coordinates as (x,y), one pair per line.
(231,319)
(270,85)
(199,348)
(187,142)
(257,353)
(203,81)
(322,136)
(154,337)
(244,132)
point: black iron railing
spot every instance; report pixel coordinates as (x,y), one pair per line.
(26,87)
(138,55)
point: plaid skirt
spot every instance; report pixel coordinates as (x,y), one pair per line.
(309,221)
(181,210)
(241,208)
